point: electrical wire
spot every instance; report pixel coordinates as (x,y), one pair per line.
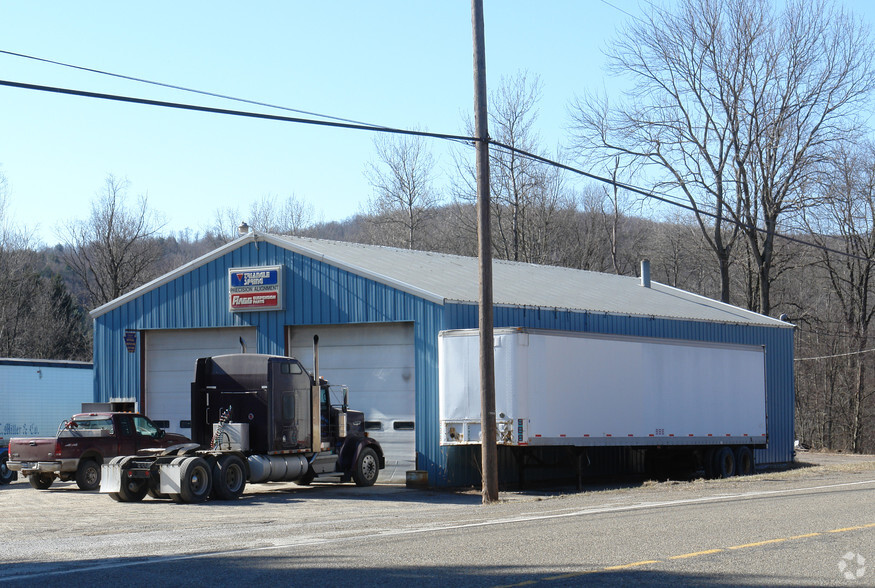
(689,207)
(444,136)
(225,111)
(183,88)
(834,356)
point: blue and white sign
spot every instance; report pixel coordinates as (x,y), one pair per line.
(255,288)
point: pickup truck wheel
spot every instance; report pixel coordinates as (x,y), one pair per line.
(195,481)
(88,475)
(6,475)
(41,481)
(367,467)
(229,478)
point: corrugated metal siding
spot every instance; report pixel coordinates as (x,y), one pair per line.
(777,341)
(318,293)
(315,293)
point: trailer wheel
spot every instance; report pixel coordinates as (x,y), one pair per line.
(41,481)
(708,463)
(744,464)
(229,478)
(724,462)
(6,475)
(367,468)
(88,475)
(195,481)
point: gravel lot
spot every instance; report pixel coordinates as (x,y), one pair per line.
(56,527)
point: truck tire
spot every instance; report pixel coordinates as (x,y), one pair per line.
(367,468)
(88,475)
(6,475)
(724,462)
(229,477)
(41,481)
(131,491)
(307,478)
(195,481)
(744,464)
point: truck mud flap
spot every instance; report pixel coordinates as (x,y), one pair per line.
(170,477)
(110,478)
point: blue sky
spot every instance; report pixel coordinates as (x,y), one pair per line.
(394,63)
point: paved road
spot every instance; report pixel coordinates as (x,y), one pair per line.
(783,528)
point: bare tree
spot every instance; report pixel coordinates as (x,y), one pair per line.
(847,222)
(269,214)
(114,250)
(405,197)
(733,104)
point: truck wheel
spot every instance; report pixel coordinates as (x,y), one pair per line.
(307,478)
(724,463)
(744,465)
(41,481)
(195,481)
(229,478)
(130,491)
(6,475)
(367,468)
(88,475)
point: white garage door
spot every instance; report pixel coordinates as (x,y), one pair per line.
(376,361)
(170,362)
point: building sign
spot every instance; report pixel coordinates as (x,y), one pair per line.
(255,288)
(131,341)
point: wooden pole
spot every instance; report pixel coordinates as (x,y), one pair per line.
(487,359)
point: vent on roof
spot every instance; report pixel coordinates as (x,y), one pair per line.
(645,273)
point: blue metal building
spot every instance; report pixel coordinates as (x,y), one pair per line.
(378,312)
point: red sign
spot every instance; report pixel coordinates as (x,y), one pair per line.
(255,300)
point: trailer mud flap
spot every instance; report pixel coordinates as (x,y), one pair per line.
(110,478)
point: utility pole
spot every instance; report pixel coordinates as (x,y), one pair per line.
(489,451)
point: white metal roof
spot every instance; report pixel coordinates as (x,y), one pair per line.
(452,278)
(455,278)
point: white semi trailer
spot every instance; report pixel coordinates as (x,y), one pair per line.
(681,402)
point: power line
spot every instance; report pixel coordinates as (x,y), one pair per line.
(834,356)
(444,136)
(225,111)
(689,207)
(183,88)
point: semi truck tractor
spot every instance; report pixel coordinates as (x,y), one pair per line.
(694,404)
(254,418)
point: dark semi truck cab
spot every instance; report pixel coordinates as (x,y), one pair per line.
(255,418)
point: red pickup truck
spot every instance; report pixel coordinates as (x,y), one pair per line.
(81,446)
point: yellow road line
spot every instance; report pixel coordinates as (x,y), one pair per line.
(688,555)
(852,528)
(758,543)
(696,554)
(632,565)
